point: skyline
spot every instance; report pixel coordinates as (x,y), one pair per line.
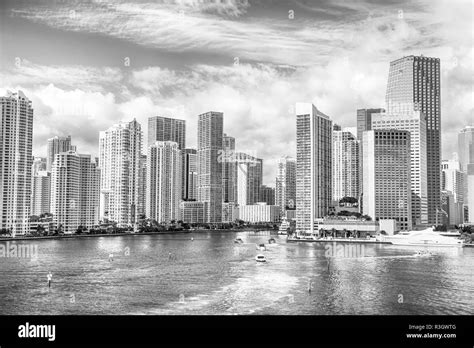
(77,87)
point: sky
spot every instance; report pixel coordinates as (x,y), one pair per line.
(87,65)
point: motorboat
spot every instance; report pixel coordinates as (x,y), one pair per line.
(238,240)
(426,237)
(271,241)
(283,229)
(261,247)
(260,258)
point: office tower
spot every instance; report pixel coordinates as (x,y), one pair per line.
(167,129)
(16,160)
(39,165)
(313,166)
(345,165)
(387,176)
(364,123)
(41,193)
(193,212)
(415,123)
(466,146)
(249,177)
(453,187)
(56,145)
(75,181)
(466,157)
(209,165)
(285,184)
(189,167)
(414,84)
(163,182)
(141,208)
(228,169)
(267,195)
(120,152)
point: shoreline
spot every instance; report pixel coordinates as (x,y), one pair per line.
(70,236)
(339,240)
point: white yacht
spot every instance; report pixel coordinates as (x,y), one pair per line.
(260,258)
(426,237)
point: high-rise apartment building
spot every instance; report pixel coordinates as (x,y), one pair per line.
(249,172)
(453,184)
(466,157)
(228,169)
(415,123)
(16,160)
(41,193)
(39,165)
(285,184)
(56,145)
(345,165)
(163,194)
(141,208)
(313,166)
(167,129)
(75,181)
(189,167)
(209,164)
(120,151)
(387,176)
(414,83)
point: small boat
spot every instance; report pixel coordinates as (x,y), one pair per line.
(271,241)
(260,258)
(238,240)
(261,247)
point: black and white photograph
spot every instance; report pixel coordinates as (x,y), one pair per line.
(276,161)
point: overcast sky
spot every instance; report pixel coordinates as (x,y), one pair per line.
(89,64)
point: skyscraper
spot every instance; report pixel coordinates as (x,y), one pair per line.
(189,167)
(163,193)
(313,166)
(453,186)
(74,191)
(229,169)
(41,193)
(466,146)
(414,84)
(345,165)
(285,184)
(415,123)
(16,160)
(39,165)
(120,152)
(210,136)
(267,195)
(56,145)
(167,129)
(248,178)
(387,176)
(141,209)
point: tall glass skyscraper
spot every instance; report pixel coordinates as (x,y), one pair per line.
(313,166)
(414,84)
(209,165)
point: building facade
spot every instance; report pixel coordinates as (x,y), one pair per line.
(414,83)
(453,189)
(167,129)
(189,166)
(163,194)
(41,193)
(313,166)
(260,212)
(249,176)
(54,146)
(415,123)
(229,169)
(285,184)
(75,181)
(345,165)
(193,212)
(120,152)
(387,176)
(267,195)
(16,160)
(209,167)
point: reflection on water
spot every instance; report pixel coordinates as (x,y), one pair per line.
(213,275)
